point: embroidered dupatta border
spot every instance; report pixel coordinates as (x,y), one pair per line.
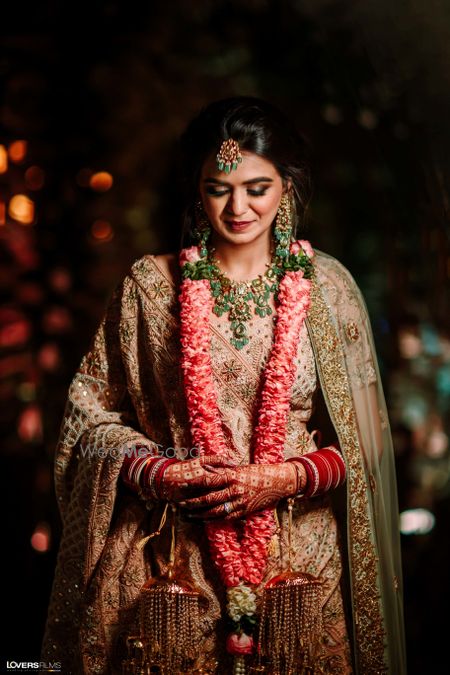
(367,612)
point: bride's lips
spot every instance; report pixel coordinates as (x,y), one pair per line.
(238,225)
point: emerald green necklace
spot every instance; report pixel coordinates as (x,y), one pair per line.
(236,297)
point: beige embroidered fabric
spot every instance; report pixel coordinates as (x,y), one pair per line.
(129,389)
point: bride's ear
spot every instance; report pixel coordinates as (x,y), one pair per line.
(287,185)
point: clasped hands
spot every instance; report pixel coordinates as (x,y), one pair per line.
(210,487)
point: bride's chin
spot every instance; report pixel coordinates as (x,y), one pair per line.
(240,239)
(237,237)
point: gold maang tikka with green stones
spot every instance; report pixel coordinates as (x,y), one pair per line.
(235,297)
(229,156)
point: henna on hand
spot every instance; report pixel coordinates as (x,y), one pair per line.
(194,477)
(249,488)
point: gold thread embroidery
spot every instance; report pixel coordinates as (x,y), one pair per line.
(303,443)
(369,626)
(231,370)
(351,331)
(384,423)
(158,289)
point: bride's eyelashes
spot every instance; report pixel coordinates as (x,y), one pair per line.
(219,193)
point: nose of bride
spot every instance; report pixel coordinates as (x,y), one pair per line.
(237,205)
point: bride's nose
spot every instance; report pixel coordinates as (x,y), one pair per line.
(237,204)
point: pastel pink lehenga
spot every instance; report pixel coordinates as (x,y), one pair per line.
(129,389)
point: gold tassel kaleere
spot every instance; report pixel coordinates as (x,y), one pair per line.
(170,610)
(290,629)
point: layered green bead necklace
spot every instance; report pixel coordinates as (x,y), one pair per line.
(235,297)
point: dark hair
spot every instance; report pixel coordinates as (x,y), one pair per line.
(258,127)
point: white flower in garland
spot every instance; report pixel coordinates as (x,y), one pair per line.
(241,600)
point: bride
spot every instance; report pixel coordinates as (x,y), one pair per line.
(226,442)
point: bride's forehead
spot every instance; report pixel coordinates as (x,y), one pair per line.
(252,166)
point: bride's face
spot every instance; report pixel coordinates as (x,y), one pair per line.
(242,205)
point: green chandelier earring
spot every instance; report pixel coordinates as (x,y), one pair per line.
(202,230)
(284,225)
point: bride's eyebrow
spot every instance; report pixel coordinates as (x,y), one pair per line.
(261,179)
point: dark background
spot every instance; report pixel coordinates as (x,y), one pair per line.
(108,87)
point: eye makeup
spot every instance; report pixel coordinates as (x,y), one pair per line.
(219,193)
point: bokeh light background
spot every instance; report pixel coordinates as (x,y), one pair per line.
(93,97)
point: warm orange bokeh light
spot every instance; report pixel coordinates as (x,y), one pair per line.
(101,181)
(34,177)
(3,159)
(2,213)
(40,539)
(29,424)
(102,231)
(21,208)
(17,151)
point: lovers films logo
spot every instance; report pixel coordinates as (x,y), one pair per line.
(36,666)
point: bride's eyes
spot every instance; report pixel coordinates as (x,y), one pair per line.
(251,191)
(257,193)
(214,192)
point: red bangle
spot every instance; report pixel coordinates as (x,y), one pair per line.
(134,463)
(325,470)
(142,471)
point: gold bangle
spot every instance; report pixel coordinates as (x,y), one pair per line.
(301,482)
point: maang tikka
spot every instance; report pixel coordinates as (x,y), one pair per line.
(229,156)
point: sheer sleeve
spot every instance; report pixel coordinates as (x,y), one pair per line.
(356,336)
(364,368)
(364,374)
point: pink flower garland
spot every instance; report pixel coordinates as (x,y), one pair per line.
(241,558)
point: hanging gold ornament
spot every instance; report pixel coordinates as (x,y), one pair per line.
(290,628)
(291,623)
(169,619)
(170,622)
